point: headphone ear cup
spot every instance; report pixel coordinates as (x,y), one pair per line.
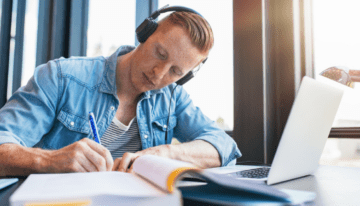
(146,28)
(186,78)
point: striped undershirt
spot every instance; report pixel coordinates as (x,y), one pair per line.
(119,138)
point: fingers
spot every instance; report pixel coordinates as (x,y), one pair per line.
(131,169)
(96,160)
(116,164)
(73,165)
(82,163)
(101,158)
(80,153)
(80,168)
(126,161)
(82,156)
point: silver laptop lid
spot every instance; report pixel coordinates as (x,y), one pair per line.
(306,131)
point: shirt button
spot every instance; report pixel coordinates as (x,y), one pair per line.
(145,136)
(112,108)
(72,124)
(165,126)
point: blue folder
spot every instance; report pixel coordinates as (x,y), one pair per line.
(6,182)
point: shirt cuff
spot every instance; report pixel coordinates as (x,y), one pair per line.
(228,151)
(7,137)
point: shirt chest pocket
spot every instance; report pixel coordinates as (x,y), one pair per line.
(160,126)
(74,122)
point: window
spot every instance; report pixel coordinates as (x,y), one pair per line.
(29,49)
(30,35)
(212,88)
(12,50)
(336,44)
(111,24)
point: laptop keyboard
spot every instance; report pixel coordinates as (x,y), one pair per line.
(257,173)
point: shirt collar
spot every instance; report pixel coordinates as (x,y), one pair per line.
(109,78)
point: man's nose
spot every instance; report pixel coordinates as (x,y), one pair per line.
(160,70)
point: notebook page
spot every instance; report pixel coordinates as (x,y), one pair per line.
(79,186)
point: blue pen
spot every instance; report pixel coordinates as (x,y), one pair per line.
(93,127)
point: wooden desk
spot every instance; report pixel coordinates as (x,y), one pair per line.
(332,185)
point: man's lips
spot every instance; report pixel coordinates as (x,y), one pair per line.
(148,80)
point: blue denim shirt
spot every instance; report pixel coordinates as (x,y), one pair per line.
(51,111)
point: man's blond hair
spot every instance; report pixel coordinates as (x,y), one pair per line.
(199,29)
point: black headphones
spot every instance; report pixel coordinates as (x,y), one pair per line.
(149,25)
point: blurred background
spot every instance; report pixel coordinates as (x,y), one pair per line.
(36,31)
(337,44)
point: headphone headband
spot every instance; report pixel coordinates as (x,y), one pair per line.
(165,9)
(149,25)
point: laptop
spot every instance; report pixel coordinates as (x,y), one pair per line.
(304,136)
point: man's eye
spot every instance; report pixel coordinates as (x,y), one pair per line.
(161,56)
(176,71)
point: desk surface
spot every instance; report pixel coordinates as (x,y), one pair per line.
(332,185)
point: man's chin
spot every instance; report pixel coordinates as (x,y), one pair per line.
(140,88)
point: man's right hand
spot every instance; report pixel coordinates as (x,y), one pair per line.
(82,156)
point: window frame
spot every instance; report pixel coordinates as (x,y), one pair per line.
(5,37)
(264,86)
(345,132)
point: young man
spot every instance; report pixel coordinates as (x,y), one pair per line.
(44,126)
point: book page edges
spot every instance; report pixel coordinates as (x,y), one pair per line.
(67,203)
(175,174)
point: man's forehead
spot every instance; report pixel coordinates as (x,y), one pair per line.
(184,58)
(177,43)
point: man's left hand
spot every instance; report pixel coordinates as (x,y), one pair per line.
(125,163)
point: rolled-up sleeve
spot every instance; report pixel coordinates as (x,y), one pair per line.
(30,112)
(192,125)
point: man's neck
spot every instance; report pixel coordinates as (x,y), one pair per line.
(125,91)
